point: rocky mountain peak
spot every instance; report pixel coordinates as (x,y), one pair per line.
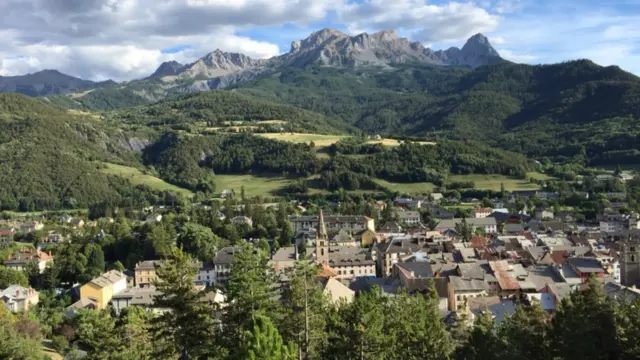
(478,44)
(168,68)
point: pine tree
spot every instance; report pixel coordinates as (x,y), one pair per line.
(251,288)
(305,305)
(483,342)
(95,260)
(134,329)
(525,334)
(96,330)
(584,326)
(263,342)
(188,330)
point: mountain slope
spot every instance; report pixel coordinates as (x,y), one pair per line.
(49,157)
(217,107)
(47,82)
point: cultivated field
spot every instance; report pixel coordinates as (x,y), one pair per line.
(136,177)
(253,185)
(493,182)
(407,188)
(321,140)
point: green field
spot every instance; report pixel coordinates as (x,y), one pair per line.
(253,185)
(136,177)
(407,188)
(321,140)
(493,182)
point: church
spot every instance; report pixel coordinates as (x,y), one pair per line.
(348,262)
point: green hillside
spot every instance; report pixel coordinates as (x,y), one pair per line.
(47,159)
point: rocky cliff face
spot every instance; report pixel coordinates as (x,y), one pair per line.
(169,68)
(333,48)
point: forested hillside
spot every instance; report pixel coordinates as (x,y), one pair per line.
(213,108)
(574,111)
(49,158)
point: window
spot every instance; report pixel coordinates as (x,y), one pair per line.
(633,258)
(351,272)
(321,252)
(632,249)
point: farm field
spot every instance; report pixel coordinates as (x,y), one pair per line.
(136,177)
(321,140)
(253,185)
(408,188)
(493,181)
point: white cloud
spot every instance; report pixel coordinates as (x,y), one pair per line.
(508,6)
(516,57)
(453,21)
(497,40)
(121,39)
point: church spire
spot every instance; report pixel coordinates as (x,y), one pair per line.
(322,229)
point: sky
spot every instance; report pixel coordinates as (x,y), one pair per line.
(128,39)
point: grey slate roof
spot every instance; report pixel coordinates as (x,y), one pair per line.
(225,255)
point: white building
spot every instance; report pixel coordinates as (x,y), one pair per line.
(480,213)
(488,224)
(410,218)
(17,298)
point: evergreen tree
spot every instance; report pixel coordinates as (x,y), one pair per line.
(12,277)
(305,307)
(584,326)
(525,334)
(134,328)
(357,330)
(188,330)
(95,260)
(263,342)
(251,288)
(96,330)
(482,342)
(465,230)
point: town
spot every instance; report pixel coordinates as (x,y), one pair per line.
(489,262)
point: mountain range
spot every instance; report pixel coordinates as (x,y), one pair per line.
(326,48)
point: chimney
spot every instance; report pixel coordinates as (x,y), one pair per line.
(17,293)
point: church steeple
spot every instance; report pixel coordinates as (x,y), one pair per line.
(322,229)
(322,242)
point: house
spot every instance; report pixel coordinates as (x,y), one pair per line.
(585,267)
(334,223)
(7,235)
(390,229)
(336,291)
(145,272)
(407,203)
(410,218)
(621,293)
(143,297)
(242,220)
(343,238)
(548,195)
(77,223)
(227,193)
(64,219)
(465,289)
(367,238)
(222,263)
(54,238)
(441,213)
(206,273)
(389,253)
(17,298)
(512,278)
(285,258)
(153,218)
(102,288)
(480,213)
(84,303)
(488,224)
(20,260)
(31,226)
(543,214)
(499,308)
(436,197)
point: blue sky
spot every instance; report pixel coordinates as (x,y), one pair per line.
(127,39)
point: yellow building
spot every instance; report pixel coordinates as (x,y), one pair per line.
(102,288)
(368,237)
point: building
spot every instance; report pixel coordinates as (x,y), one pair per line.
(153,218)
(348,262)
(226,193)
(206,273)
(410,218)
(544,214)
(21,260)
(17,298)
(489,224)
(7,235)
(222,263)
(480,213)
(336,291)
(31,226)
(145,272)
(242,220)
(396,250)
(143,297)
(77,223)
(407,203)
(335,223)
(54,239)
(102,288)
(284,258)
